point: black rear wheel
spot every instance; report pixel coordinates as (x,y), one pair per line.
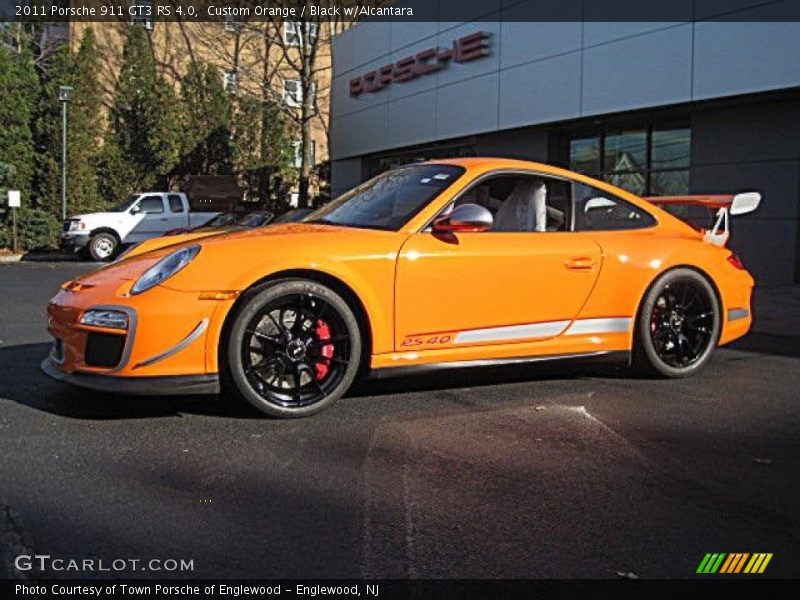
(678,326)
(294,348)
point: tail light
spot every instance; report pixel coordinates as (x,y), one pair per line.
(736,261)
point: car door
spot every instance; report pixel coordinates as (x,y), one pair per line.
(509,284)
(154,220)
(177,215)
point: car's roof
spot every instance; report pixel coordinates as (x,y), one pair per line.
(493,162)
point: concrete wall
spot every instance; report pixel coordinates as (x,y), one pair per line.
(545,72)
(754,147)
(345,174)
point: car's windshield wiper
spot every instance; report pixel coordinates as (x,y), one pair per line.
(324,222)
(343,224)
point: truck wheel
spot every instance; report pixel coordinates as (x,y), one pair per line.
(103,247)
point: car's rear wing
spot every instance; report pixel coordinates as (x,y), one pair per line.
(724,206)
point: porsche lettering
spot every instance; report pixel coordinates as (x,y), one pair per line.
(465,49)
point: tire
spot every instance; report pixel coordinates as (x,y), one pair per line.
(288,368)
(678,325)
(103,247)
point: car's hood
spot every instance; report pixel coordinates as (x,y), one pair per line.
(165,241)
(226,259)
(226,234)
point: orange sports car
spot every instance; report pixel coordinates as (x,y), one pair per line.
(447,263)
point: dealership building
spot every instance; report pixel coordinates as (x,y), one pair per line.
(703,106)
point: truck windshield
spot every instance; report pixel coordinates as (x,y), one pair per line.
(389,200)
(125,205)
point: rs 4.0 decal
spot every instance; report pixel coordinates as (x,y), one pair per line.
(427,340)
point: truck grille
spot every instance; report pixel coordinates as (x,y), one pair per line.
(67,226)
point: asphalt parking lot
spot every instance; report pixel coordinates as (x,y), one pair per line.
(550,471)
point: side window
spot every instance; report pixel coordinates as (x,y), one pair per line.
(151,205)
(522,203)
(597,210)
(175,203)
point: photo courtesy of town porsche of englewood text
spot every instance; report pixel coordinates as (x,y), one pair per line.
(399,298)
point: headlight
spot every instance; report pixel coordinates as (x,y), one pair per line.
(164,269)
(114,319)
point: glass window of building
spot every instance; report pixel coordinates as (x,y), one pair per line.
(648,161)
(293,32)
(230,81)
(143,12)
(584,155)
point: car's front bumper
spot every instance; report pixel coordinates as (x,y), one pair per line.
(136,386)
(168,347)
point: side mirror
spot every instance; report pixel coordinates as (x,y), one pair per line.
(135,210)
(467,217)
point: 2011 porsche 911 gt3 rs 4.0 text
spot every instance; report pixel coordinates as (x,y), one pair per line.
(448,263)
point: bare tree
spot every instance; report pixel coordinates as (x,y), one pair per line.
(304,46)
(284,63)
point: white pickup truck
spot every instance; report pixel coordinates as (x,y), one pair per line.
(143,216)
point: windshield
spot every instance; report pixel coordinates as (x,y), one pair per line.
(221,220)
(254,219)
(389,200)
(126,204)
(293,215)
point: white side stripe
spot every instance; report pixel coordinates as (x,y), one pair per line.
(545,329)
(594,326)
(512,332)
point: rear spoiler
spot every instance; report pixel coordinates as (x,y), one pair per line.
(725,205)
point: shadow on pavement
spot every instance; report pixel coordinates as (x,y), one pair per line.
(768,343)
(22,381)
(486,376)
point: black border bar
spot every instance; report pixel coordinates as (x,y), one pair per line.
(401,11)
(423,589)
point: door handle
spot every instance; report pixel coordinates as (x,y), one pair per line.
(163,218)
(579,263)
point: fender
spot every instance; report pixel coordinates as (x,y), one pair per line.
(376,294)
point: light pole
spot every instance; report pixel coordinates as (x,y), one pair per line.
(64,96)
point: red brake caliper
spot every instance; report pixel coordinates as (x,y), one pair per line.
(323,333)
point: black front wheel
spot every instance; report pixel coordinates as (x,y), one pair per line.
(678,325)
(294,348)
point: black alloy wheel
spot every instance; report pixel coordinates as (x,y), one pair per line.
(679,324)
(294,349)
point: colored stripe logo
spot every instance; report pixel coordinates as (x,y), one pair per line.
(734,563)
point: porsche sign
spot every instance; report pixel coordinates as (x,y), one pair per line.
(465,49)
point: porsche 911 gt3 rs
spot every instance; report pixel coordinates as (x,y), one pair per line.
(457,262)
